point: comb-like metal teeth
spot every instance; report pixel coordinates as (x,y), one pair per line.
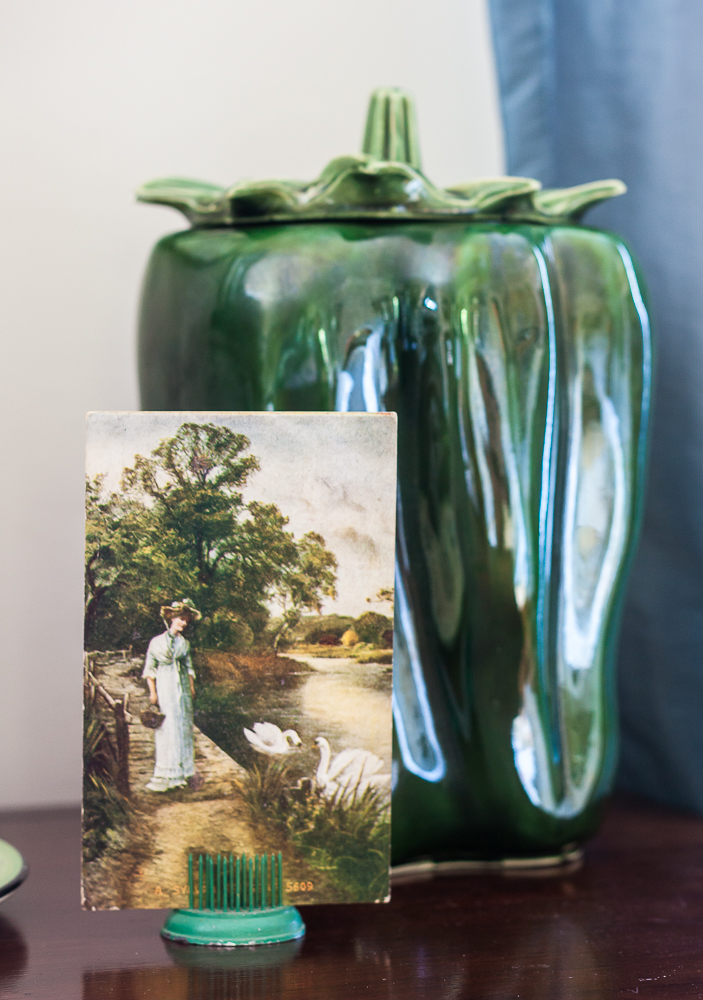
(228,883)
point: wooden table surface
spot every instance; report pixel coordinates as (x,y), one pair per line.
(628,923)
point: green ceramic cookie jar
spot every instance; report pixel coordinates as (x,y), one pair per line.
(514,345)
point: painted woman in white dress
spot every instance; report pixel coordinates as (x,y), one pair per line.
(169,674)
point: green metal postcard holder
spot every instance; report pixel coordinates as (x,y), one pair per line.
(234,902)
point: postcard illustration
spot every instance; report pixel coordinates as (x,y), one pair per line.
(238,652)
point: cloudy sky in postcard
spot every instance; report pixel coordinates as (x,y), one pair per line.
(334,473)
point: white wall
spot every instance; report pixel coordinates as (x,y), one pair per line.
(97,96)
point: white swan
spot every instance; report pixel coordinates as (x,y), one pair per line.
(350,773)
(268,738)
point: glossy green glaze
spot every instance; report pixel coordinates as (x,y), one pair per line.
(517,359)
(516,352)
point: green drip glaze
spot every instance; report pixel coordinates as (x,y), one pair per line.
(518,360)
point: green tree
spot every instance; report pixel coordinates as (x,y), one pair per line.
(113,530)
(304,583)
(180,527)
(193,480)
(386,595)
(371,626)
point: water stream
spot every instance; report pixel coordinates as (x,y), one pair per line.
(347,702)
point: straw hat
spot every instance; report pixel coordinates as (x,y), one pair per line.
(181,609)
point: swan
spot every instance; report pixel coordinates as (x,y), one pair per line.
(380,782)
(268,738)
(350,773)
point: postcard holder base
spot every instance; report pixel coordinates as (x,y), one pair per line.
(240,903)
(230,929)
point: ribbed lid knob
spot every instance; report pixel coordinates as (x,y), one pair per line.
(391,129)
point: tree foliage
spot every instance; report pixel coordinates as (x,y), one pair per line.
(386,595)
(179,527)
(305,583)
(370,627)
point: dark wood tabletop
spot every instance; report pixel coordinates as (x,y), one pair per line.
(628,923)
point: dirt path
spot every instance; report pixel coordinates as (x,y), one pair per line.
(147,864)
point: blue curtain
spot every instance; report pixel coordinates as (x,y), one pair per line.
(592,89)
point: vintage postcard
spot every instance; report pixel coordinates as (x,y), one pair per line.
(238,654)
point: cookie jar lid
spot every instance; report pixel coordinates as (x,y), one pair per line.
(384,182)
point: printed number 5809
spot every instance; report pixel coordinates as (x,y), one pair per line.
(298,886)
